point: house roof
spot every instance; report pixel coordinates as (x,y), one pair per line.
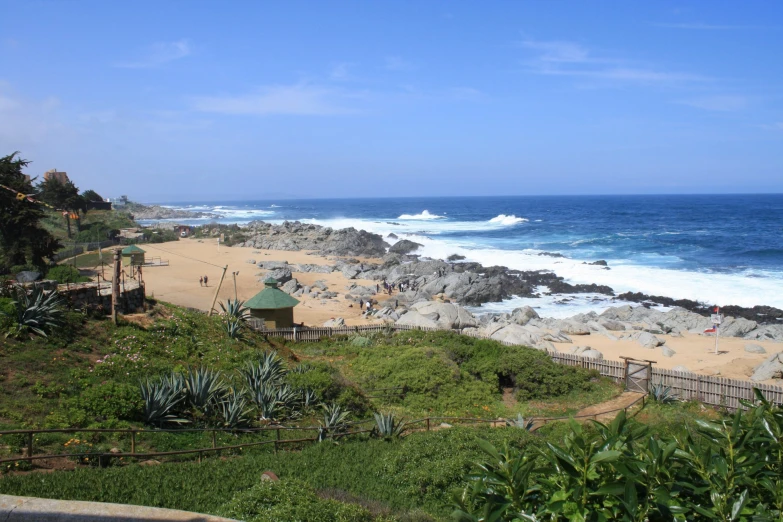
(132,249)
(271,298)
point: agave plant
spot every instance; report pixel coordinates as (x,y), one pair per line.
(334,422)
(160,402)
(268,370)
(265,399)
(234,329)
(235,411)
(521,422)
(387,427)
(236,310)
(662,394)
(203,387)
(36,313)
(301,368)
(307,398)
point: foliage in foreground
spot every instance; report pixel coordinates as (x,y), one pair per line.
(728,471)
(36,313)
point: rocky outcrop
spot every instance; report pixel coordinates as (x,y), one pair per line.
(754,348)
(335,322)
(299,236)
(772,368)
(282,275)
(446,315)
(290,286)
(404,246)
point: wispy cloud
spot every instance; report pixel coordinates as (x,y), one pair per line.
(563,58)
(395,63)
(26,121)
(698,26)
(280,99)
(341,71)
(160,54)
(777,126)
(717,103)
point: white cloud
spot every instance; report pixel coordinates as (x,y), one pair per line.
(279,99)
(718,103)
(395,63)
(160,54)
(562,58)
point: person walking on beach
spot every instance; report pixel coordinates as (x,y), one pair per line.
(201,281)
(205,280)
(369,306)
(361,303)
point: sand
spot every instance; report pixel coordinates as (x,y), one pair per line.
(178,283)
(695,352)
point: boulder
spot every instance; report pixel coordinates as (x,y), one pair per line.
(350,272)
(612,325)
(512,334)
(447,315)
(27,276)
(646,339)
(754,348)
(522,316)
(772,368)
(272,265)
(283,275)
(290,286)
(556,337)
(593,354)
(769,332)
(251,261)
(404,246)
(414,318)
(337,322)
(667,352)
(321,285)
(572,327)
(737,327)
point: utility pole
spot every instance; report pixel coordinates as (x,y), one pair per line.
(214,299)
(115,284)
(235,274)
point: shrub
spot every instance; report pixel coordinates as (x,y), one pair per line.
(289,499)
(66,274)
(37,313)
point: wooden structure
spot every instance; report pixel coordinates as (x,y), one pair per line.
(273,306)
(132,256)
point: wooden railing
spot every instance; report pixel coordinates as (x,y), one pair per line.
(427,424)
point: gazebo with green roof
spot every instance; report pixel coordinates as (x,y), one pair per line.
(273,306)
(132,256)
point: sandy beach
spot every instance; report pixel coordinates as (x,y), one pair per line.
(695,352)
(190,259)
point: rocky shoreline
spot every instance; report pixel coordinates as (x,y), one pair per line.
(154,212)
(465,283)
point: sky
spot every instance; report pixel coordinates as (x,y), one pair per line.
(189,100)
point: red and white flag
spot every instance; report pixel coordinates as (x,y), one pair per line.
(711,330)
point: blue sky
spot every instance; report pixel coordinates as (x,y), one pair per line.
(186,100)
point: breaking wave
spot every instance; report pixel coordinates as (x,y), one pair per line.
(425,215)
(509,220)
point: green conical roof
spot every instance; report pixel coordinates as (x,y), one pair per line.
(271,298)
(133,249)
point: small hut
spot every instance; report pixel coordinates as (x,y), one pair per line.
(132,256)
(273,306)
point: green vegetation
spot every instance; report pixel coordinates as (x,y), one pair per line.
(66,274)
(731,470)
(34,313)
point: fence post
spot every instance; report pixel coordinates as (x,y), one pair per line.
(133,442)
(428,424)
(30,446)
(277,438)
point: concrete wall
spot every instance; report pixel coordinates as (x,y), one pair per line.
(28,509)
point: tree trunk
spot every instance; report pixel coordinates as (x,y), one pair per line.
(68,224)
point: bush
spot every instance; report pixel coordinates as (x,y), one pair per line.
(66,274)
(7,313)
(289,499)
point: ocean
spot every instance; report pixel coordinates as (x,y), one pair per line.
(717,249)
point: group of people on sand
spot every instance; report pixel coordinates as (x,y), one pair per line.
(402,286)
(203,281)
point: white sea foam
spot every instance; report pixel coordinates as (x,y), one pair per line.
(424,216)
(505,220)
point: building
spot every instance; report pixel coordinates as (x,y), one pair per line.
(53,174)
(273,306)
(132,256)
(183,230)
(98,205)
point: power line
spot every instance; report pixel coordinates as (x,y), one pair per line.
(183,255)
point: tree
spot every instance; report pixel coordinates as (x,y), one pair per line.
(64,196)
(91,196)
(22,240)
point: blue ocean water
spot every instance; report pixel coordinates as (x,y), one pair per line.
(722,249)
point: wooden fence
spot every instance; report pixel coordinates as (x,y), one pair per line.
(103,458)
(713,391)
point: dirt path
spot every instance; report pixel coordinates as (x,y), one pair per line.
(623,400)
